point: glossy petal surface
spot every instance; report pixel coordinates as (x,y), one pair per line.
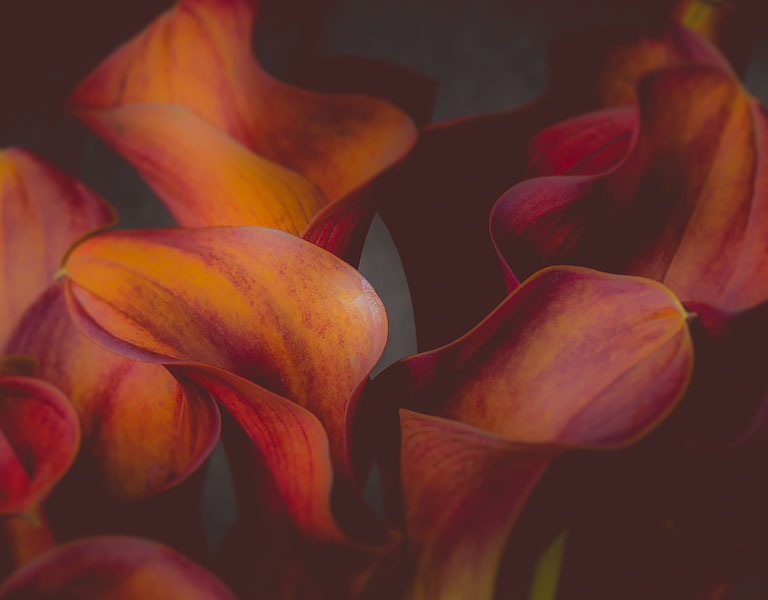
(572,357)
(260,303)
(43,212)
(118,568)
(198,56)
(687,206)
(39,437)
(142,432)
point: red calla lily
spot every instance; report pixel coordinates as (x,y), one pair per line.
(436,205)
(40,437)
(686,206)
(573,358)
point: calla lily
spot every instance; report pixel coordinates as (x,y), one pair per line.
(141,432)
(113,567)
(573,358)
(686,206)
(256,302)
(281,332)
(264,153)
(459,169)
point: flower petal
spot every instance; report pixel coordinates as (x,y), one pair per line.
(43,213)
(204,176)
(260,303)
(39,437)
(198,55)
(286,439)
(142,432)
(585,145)
(113,567)
(572,358)
(436,205)
(481,482)
(687,206)
(299,533)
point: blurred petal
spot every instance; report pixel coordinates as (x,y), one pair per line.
(437,204)
(43,212)
(39,437)
(120,568)
(572,358)
(198,56)
(687,206)
(262,304)
(142,432)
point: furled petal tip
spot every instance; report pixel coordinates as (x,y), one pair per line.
(572,358)
(39,437)
(113,567)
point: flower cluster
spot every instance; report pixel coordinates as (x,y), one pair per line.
(568,261)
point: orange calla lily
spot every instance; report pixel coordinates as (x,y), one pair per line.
(117,400)
(281,332)
(44,212)
(113,567)
(572,358)
(142,432)
(686,206)
(257,302)
(187,90)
